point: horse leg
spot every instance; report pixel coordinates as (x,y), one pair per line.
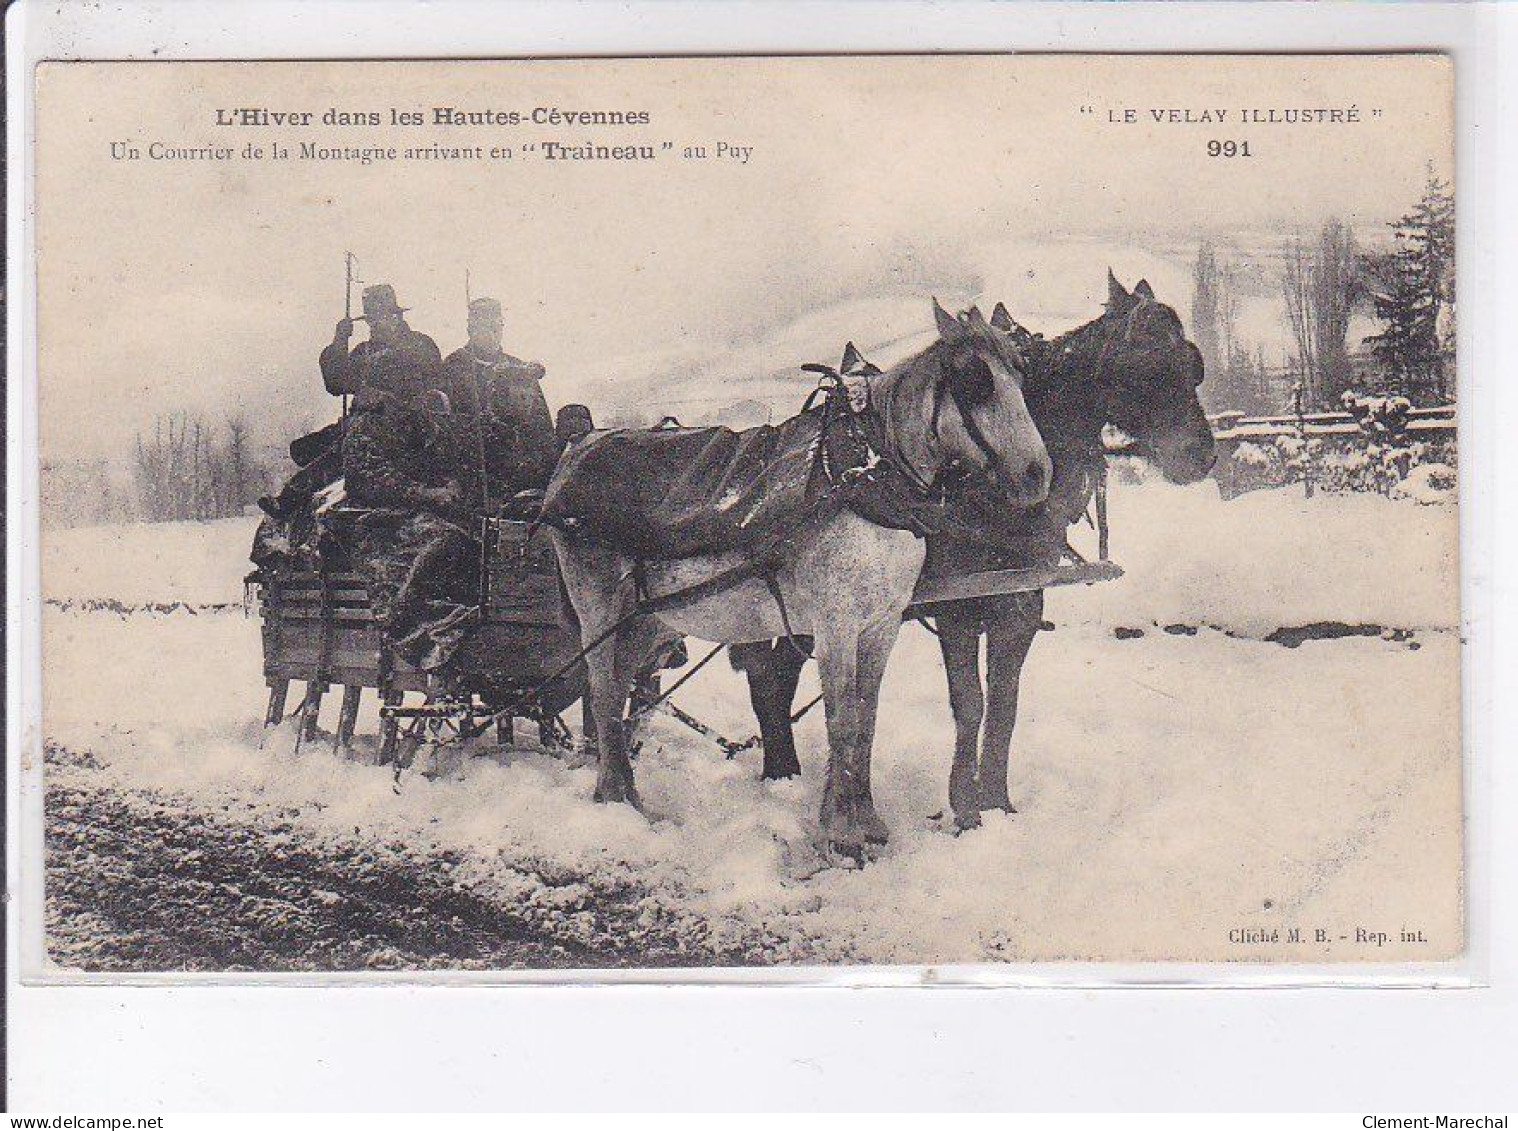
(851,668)
(788,657)
(1007,644)
(773,672)
(637,644)
(959,640)
(588,722)
(599,600)
(607,697)
(875,645)
(837,664)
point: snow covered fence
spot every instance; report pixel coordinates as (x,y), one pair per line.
(1376,447)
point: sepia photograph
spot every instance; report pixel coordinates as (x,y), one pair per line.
(730,514)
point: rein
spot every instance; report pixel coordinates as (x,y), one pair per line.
(870,431)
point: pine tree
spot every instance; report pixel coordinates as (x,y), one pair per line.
(1414,296)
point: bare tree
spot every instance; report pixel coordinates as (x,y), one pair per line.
(1335,289)
(1320,285)
(1233,382)
(1204,308)
(189,470)
(1297,283)
(1228,313)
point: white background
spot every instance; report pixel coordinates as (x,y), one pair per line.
(137,1049)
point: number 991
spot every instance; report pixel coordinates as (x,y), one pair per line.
(1227,149)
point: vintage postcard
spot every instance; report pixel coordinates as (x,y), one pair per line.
(748,512)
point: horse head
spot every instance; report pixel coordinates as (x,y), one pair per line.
(1148,374)
(976,417)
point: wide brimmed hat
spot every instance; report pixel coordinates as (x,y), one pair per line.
(380,299)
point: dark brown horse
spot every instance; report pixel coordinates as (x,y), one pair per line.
(1132,368)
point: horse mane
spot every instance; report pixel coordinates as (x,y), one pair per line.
(1063,394)
(903,399)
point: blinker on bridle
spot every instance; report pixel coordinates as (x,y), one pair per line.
(967,394)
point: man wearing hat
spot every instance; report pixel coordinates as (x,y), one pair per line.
(573,421)
(396,358)
(501,398)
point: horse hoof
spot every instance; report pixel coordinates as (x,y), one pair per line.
(963,822)
(784,773)
(858,843)
(856,854)
(988,805)
(616,792)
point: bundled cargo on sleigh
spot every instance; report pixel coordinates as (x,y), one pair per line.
(661,494)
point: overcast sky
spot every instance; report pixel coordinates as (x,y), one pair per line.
(210,287)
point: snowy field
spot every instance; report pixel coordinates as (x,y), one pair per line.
(1183,769)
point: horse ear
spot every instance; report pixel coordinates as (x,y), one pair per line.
(1117,297)
(949,328)
(1001,318)
(1143,290)
(855,364)
(973,317)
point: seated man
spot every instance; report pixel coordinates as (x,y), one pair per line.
(395,359)
(414,544)
(504,398)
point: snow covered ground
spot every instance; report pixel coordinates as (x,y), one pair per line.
(1173,786)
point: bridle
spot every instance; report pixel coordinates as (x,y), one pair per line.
(994,460)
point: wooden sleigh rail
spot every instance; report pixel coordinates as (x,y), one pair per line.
(999,582)
(1002,582)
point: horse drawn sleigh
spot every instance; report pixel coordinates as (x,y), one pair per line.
(828,555)
(320,629)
